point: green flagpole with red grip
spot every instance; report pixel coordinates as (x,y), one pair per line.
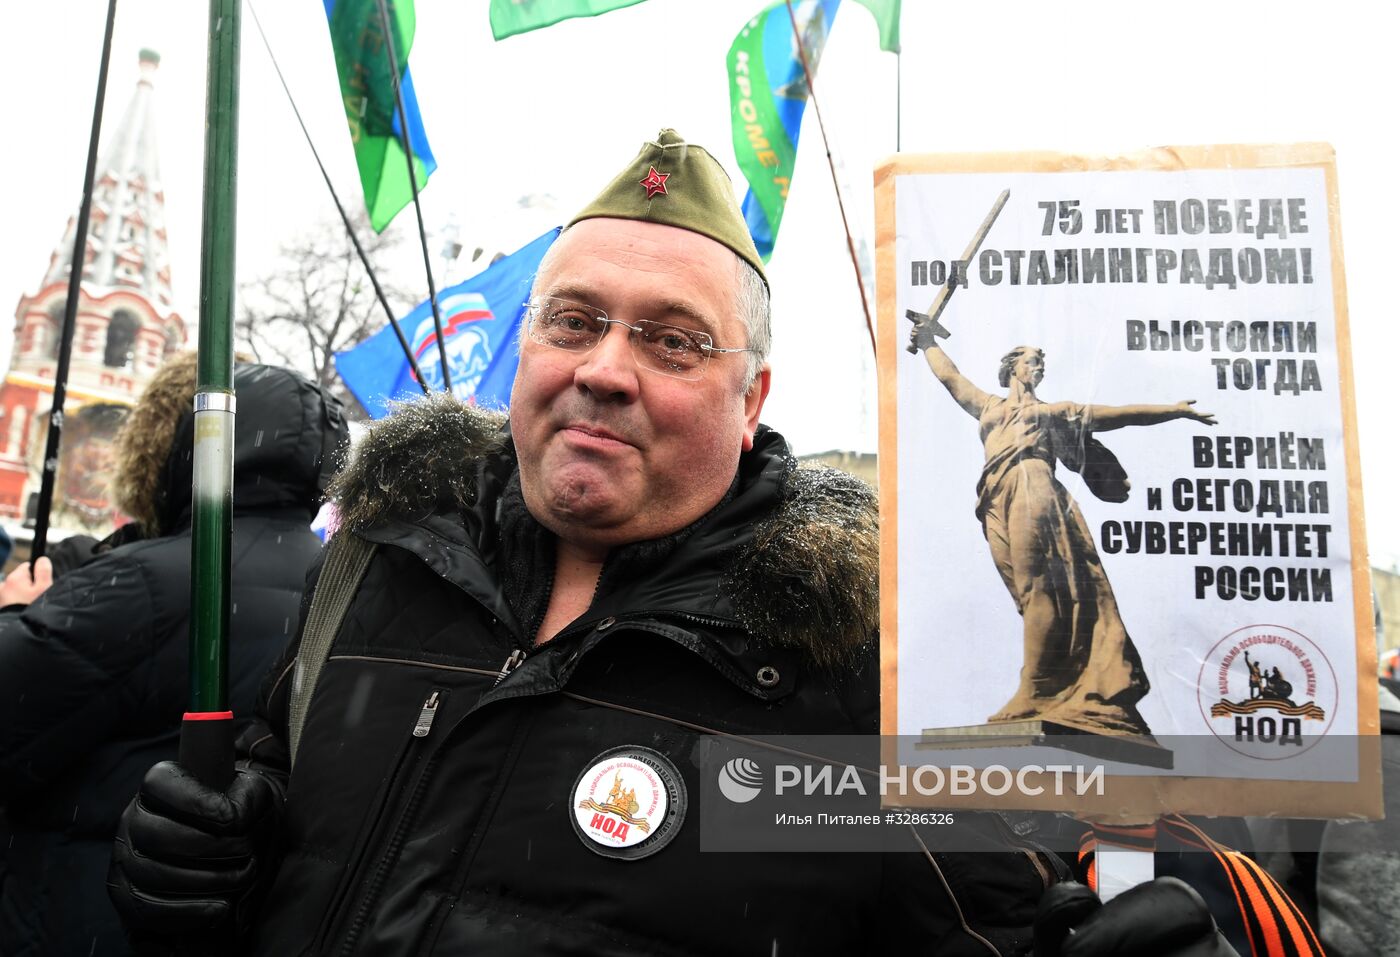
(206,738)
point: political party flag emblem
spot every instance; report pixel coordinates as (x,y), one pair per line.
(481,321)
(469,352)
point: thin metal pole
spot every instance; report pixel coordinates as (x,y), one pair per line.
(49,477)
(413,183)
(898,97)
(340,208)
(845,224)
(206,738)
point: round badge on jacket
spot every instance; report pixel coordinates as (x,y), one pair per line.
(628,803)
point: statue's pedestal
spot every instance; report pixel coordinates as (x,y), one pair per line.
(1123,748)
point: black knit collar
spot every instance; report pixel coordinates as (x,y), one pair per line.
(526,555)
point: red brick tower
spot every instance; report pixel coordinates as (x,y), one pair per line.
(125,327)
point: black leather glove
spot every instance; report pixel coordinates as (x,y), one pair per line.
(187,859)
(1162,918)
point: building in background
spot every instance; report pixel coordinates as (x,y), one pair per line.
(126,326)
(863,465)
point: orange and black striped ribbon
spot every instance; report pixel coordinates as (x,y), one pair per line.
(1275,926)
(1138,838)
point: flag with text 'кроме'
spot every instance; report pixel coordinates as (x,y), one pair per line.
(509,17)
(367,91)
(480,324)
(767,95)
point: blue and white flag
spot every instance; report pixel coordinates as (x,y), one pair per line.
(480,322)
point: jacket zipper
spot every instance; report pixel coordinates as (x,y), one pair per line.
(421,729)
(700,619)
(516,657)
(426,716)
(373,887)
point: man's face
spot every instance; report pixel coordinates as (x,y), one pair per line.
(611,453)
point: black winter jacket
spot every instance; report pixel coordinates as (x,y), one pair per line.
(432,806)
(94,674)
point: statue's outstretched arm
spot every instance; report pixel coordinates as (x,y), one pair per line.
(972,399)
(1106,418)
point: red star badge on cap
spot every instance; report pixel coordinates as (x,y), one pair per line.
(655,183)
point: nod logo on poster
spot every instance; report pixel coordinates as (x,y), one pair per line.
(469,352)
(1268,692)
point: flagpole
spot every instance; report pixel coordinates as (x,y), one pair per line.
(898,97)
(206,737)
(413,184)
(49,475)
(835,182)
(340,208)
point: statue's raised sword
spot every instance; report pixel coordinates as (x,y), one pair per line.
(945,292)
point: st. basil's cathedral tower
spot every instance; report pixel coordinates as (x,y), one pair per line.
(126,326)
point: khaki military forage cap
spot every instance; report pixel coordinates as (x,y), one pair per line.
(679,184)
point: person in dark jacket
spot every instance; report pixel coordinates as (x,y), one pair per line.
(93,669)
(546,626)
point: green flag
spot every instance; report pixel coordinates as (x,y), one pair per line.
(367,91)
(886,13)
(509,17)
(767,96)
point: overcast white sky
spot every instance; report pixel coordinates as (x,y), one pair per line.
(558,111)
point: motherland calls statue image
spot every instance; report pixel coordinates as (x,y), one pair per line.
(1080,668)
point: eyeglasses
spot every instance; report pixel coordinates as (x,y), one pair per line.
(656,346)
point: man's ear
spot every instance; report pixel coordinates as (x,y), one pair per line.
(753,403)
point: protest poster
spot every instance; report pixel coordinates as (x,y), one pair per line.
(1119,475)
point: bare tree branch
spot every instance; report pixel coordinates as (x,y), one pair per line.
(318,301)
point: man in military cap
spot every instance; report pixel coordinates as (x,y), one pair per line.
(523,630)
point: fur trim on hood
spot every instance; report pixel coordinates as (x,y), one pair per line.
(809,579)
(416,461)
(147,436)
(285,429)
